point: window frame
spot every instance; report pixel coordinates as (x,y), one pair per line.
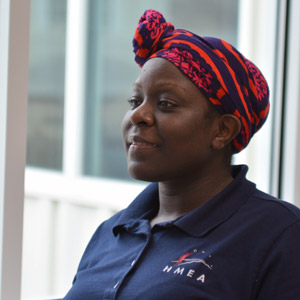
(290,157)
(14,51)
(257,41)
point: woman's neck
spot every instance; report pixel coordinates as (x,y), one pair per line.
(178,198)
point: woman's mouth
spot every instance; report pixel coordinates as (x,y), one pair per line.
(137,143)
(143,145)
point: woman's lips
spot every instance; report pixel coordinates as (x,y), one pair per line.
(138,143)
(143,145)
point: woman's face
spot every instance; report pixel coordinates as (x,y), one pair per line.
(166,133)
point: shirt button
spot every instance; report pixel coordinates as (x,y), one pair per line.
(116,285)
(133,262)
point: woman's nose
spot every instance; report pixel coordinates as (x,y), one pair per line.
(142,115)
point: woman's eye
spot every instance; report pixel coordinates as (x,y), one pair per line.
(164,104)
(133,102)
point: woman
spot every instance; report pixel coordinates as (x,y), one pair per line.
(200,230)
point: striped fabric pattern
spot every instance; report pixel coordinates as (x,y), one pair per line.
(232,83)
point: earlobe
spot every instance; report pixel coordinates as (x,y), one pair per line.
(228,128)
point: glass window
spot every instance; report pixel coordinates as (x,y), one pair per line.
(110,72)
(46,84)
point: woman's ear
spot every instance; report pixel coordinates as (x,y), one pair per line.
(228,127)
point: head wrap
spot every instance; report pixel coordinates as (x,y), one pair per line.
(233,84)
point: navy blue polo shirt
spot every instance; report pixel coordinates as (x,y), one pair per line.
(242,244)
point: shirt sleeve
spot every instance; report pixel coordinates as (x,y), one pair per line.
(279,275)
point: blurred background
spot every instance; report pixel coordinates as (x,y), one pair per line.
(81,70)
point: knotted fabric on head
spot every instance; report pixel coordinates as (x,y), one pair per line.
(233,84)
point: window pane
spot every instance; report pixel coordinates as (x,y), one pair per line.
(111,70)
(46,83)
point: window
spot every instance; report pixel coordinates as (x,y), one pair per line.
(46,84)
(80,75)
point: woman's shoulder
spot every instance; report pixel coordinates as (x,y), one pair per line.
(275,206)
(268,216)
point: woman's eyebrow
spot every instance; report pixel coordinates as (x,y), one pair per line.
(161,84)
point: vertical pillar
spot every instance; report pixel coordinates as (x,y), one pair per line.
(14,44)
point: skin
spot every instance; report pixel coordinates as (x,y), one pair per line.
(171,138)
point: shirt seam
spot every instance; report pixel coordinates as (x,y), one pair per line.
(279,202)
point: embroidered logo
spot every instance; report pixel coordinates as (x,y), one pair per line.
(183,260)
(179,267)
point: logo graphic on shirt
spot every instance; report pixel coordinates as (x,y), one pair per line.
(183,260)
(187,265)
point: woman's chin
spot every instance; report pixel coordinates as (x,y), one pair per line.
(143,173)
(140,175)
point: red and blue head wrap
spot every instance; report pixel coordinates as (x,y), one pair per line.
(232,83)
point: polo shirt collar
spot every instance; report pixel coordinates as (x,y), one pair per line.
(141,207)
(201,220)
